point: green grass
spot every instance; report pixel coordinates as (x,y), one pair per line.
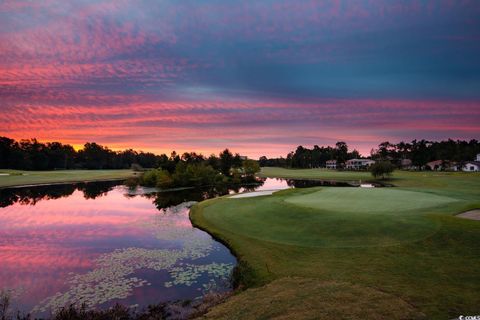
(21,178)
(324,174)
(402,245)
(360,201)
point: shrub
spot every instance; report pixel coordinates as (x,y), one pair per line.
(382,169)
(250,167)
(149,178)
(201,175)
(164,180)
(157,178)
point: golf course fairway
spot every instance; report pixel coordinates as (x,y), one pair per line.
(352,253)
(18,178)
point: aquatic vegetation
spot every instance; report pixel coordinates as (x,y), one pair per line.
(113,277)
(187,274)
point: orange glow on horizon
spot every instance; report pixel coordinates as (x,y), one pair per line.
(252,128)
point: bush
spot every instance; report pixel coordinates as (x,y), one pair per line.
(382,169)
(164,180)
(192,175)
(157,178)
(250,167)
(149,178)
(201,175)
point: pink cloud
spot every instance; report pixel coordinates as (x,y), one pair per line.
(252,127)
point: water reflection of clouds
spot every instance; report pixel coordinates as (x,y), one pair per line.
(114,210)
(264,185)
(273,184)
(42,244)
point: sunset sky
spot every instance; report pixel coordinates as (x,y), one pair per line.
(258,77)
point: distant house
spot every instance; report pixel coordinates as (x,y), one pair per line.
(436,165)
(357,164)
(331,164)
(454,166)
(406,163)
(471,166)
(478,157)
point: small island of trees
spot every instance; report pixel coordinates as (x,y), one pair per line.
(192,170)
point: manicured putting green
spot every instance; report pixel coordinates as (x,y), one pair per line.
(369,200)
(331,217)
(405,244)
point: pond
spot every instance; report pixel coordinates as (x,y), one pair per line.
(101,243)
(97,244)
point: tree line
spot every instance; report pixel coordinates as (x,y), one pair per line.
(420,152)
(185,170)
(312,158)
(30,154)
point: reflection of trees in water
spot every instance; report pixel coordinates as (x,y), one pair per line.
(92,190)
(163,200)
(32,195)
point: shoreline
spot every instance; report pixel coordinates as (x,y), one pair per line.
(57,183)
(254,271)
(24,179)
(242,266)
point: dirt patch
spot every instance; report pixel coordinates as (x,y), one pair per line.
(472,214)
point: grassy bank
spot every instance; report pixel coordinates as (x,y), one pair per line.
(12,178)
(353,253)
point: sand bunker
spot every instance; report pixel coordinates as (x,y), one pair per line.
(253,194)
(472,214)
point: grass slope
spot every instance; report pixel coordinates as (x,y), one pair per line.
(20,178)
(402,246)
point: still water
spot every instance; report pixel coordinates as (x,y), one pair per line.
(101,243)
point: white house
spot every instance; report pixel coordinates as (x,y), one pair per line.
(331,164)
(478,157)
(357,164)
(471,166)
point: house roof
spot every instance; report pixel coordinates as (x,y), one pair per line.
(360,160)
(477,163)
(435,162)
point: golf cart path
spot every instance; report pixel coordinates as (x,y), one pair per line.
(253,194)
(472,214)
